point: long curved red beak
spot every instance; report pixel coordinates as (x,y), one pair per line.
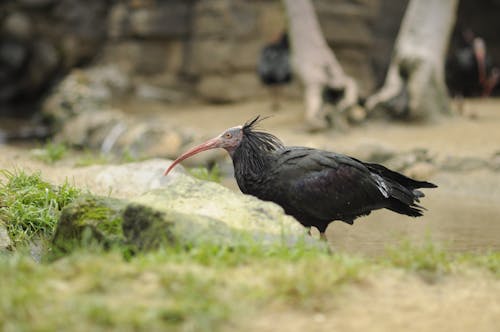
(210,144)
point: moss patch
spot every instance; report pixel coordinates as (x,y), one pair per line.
(88,220)
(146,228)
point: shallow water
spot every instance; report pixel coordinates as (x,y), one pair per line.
(455,224)
(463,215)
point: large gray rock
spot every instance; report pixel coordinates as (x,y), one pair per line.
(208,212)
(128,180)
(85,91)
(81,113)
(180,211)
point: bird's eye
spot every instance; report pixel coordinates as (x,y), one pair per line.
(228,135)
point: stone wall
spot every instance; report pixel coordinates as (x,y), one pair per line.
(175,50)
(206,48)
(209,48)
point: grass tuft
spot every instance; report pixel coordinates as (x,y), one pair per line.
(205,174)
(30,206)
(89,157)
(426,257)
(489,261)
(51,152)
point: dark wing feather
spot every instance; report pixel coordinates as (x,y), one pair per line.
(318,185)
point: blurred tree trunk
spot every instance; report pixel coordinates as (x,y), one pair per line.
(316,65)
(415,87)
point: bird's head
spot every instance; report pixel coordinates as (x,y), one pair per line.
(231,139)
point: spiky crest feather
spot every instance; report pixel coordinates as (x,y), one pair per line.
(254,147)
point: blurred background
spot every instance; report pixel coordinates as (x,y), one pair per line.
(185,50)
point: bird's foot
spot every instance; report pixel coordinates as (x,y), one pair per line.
(316,123)
(322,237)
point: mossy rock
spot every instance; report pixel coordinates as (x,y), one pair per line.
(148,228)
(191,211)
(188,212)
(90,220)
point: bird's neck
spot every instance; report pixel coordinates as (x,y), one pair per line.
(250,163)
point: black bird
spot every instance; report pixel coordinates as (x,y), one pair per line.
(469,71)
(274,68)
(314,186)
(274,63)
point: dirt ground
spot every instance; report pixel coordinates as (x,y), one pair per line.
(398,302)
(463,215)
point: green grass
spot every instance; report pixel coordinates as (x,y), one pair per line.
(426,257)
(88,158)
(170,289)
(196,289)
(51,152)
(29,206)
(203,173)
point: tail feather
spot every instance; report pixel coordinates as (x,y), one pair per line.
(402,191)
(399,178)
(414,210)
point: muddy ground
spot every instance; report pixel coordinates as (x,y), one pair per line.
(463,215)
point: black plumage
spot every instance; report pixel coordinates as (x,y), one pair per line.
(315,186)
(274,63)
(469,69)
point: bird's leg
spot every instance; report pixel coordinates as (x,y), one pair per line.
(315,116)
(275,98)
(491,82)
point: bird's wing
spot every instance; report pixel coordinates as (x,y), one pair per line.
(326,185)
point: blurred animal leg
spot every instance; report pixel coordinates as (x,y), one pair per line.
(275,98)
(491,82)
(314,104)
